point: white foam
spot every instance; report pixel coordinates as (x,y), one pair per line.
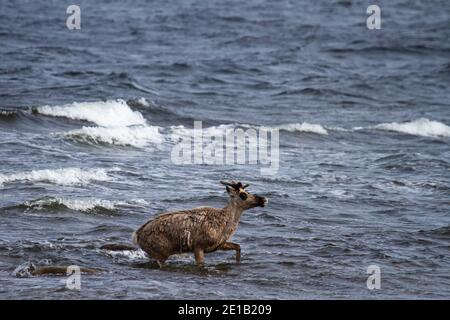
(135,203)
(7,112)
(137,136)
(420,127)
(118,123)
(84,204)
(103,113)
(341,194)
(66,176)
(24,270)
(143,102)
(303,127)
(74,204)
(132,255)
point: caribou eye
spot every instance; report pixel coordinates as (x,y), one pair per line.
(243,196)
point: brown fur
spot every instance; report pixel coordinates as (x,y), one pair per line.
(200,230)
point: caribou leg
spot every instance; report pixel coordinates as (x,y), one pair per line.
(232,246)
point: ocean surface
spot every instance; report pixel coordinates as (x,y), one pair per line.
(87,119)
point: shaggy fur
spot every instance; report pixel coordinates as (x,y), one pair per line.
(200,230)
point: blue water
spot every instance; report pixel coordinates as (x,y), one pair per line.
(363,176)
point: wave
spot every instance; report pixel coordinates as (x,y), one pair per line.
(303,127)
(442,232)
(84,205)
(117,123)
(128,255)
(221,129)
(66,176)
(420,127)
(395,48)
(88,205)
(224,135)
(24,270)
(182,131)
(4,113)
(109,113)
(141,102)
(136,136)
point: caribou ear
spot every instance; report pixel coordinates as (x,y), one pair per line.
(233,184)
(228,189)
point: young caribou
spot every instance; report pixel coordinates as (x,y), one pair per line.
(200,230)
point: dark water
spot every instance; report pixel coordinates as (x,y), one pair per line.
(364,147)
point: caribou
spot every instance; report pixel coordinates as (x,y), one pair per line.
(200,230)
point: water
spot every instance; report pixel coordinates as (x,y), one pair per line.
(364,144)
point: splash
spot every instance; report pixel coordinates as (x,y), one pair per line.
(420,127)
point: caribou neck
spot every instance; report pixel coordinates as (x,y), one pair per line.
(234,211)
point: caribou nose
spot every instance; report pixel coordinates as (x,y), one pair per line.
(263,201)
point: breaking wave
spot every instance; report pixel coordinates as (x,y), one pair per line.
(84,205)
(109,113)
(420,127)
(303,127)
(117,123)
(136,136)
(221,129)
(66,176)
(87,205)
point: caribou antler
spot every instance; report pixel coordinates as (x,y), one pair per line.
(236,185)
